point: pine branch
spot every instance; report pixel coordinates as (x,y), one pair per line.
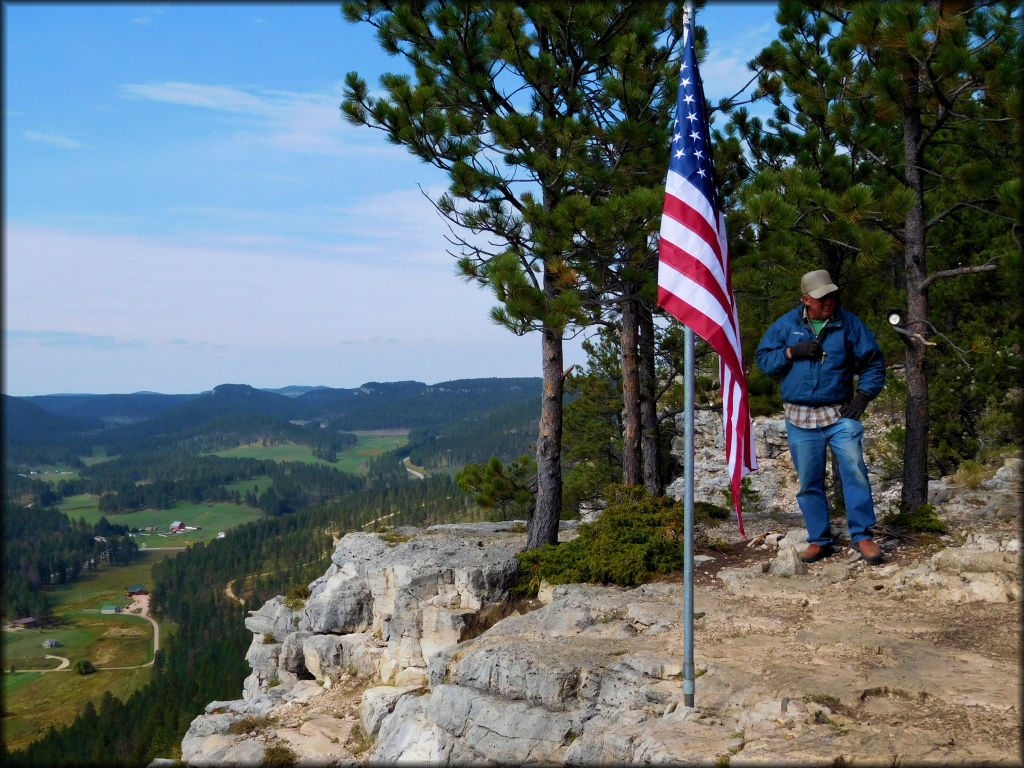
(967,204)
(989,266)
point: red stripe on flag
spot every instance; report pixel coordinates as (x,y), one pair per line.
(693,221)
(702,325)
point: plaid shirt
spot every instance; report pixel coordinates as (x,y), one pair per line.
(811,416)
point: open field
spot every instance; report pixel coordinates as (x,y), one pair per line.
(276,452)
(352,460)
(35,700)
(211,517)
(92,590)
(260,483)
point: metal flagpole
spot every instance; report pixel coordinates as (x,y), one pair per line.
(688,403)
(688,377)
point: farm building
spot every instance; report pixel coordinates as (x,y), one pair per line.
(136,589)
(25,623)
(221,534)
(110,609)
(51,643)
(177,525)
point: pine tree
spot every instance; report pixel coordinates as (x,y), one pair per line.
(517,105)
(891,121)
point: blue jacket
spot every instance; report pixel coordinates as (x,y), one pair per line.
(850,348)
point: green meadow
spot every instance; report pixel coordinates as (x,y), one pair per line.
(35,700)
(210,517)
(352,460)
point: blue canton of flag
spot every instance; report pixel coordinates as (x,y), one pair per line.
(691,145)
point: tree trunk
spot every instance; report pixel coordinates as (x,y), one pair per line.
(543,527)
(650,440)
(915,450)
(629,340)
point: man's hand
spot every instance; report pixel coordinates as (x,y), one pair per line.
(805,350)
(855,408)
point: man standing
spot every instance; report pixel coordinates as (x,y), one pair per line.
(815,351)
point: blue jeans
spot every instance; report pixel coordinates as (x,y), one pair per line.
(807,447)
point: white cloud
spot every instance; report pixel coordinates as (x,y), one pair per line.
(53,140)
(270,316)
(286,120)
(141,21)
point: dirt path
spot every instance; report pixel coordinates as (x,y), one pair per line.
(62,667)
(410,470)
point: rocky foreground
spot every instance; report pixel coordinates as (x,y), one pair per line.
(408,650)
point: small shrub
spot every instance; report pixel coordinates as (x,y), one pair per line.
(970,473)
(708,511)
(717,543)
(636,537)
(250,723)
(889,452)
(269,639)
(921,520)
(393,537)
(749,498)
(84,667)
(279,756)
(297,596)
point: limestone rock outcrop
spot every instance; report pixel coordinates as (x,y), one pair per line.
(914,661)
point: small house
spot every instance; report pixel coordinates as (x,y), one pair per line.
(136,589)
(110,609)
(51,643)
(27,623)
(177,525)
(221,534)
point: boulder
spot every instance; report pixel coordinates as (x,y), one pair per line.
(379,702)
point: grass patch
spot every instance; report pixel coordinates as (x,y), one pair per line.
(85,505)
(257,485)
(277,452)
(30,699)
(279,755)
(251,723)
(922,519)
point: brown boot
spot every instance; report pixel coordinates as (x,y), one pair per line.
(869,551)
(816,552)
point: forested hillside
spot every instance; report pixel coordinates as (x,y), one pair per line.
(147,451)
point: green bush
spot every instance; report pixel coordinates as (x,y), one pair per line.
(636,537)
(297,596)
(84,667)
(921,520)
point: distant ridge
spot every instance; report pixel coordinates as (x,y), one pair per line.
(443,412)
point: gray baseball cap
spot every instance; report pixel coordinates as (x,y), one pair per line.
(817,284)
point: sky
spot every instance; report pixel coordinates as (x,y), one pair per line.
(184,205)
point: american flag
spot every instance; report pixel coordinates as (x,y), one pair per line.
(694,276)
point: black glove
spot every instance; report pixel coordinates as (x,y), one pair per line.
(855,408)
(806,350)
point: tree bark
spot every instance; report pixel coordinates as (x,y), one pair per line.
(629,340)
(650,439)
(915,450)
(543,527)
